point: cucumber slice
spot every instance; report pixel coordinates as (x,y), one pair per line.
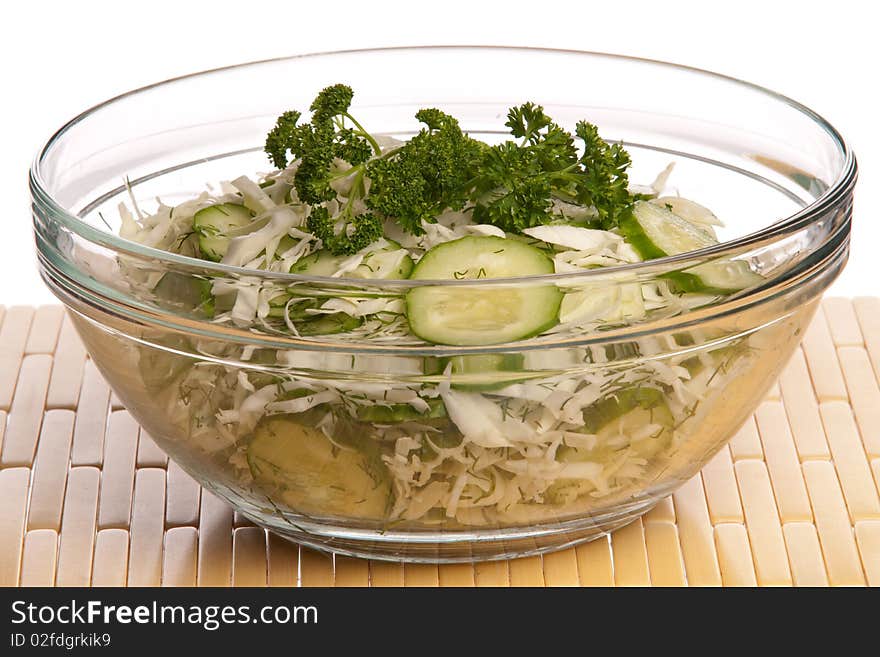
(213,225)
(312,475)
(186,292)
(614,406)
(725,277)
(327,324)
(319,263)
(400,412)
(477,316)
(656,232)
(636,409)
(391,262)
(485,372)
(284,245)
(311,324)
(479,372)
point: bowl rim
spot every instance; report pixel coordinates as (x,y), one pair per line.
(838,189)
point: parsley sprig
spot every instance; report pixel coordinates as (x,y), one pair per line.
(511,185)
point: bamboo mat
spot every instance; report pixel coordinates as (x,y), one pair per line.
(88,498)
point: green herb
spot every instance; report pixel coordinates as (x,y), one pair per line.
(512,185)
(318,145)
(427,175)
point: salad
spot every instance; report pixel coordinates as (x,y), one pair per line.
(505,435)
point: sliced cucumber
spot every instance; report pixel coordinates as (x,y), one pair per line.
(623,428)
(614,406)
(285,244)
(391,262)
(319,263)
(479,372)
(327,324)
(213,225)
(187,292)
(484,372)
(401,412)
(312,475)
(311,324)
(473,315)
(656,232)
(725,276)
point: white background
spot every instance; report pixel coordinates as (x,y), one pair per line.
(59,58)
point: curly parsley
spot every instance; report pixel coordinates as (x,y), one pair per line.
(511,185)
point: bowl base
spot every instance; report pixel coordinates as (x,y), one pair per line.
(460,546)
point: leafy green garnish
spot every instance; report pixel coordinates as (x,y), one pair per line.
(427,175)
(512,185)
(517,182)
(318,145)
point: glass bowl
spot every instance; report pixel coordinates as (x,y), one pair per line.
(393,448)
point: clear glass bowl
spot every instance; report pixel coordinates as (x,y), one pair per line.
(627,413)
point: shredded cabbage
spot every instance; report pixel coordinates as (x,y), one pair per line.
(516,453)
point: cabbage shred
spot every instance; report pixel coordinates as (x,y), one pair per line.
(515,453)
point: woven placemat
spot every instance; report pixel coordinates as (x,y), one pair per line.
(88,498)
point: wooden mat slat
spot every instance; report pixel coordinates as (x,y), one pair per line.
(283,562)
(452,574)
(864,395)
(802,410)
(147,528)
(850,461)
(91,419)
(595,566)
(722,494)
(38,559)
(842,322)
(16,322)
(492,573)
(26,412)
(832,522)
(110,565)
(868,540)
(118,472)
(386,573)
(351,572)
(783,464)
(13,492)
(249,557)
(762,523)
(745,443)
(734,555)
(78,525)
(50,470)
(45,326)
(663,511)
(804,554)
(560,569)
(180,557)
(89,498)
(215,541)
(630,555)
(868,313)
(316,568)
(664,554)
(148,453)
(527,571)
(182,495)
(696,535)
(821,356)
(67,371)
